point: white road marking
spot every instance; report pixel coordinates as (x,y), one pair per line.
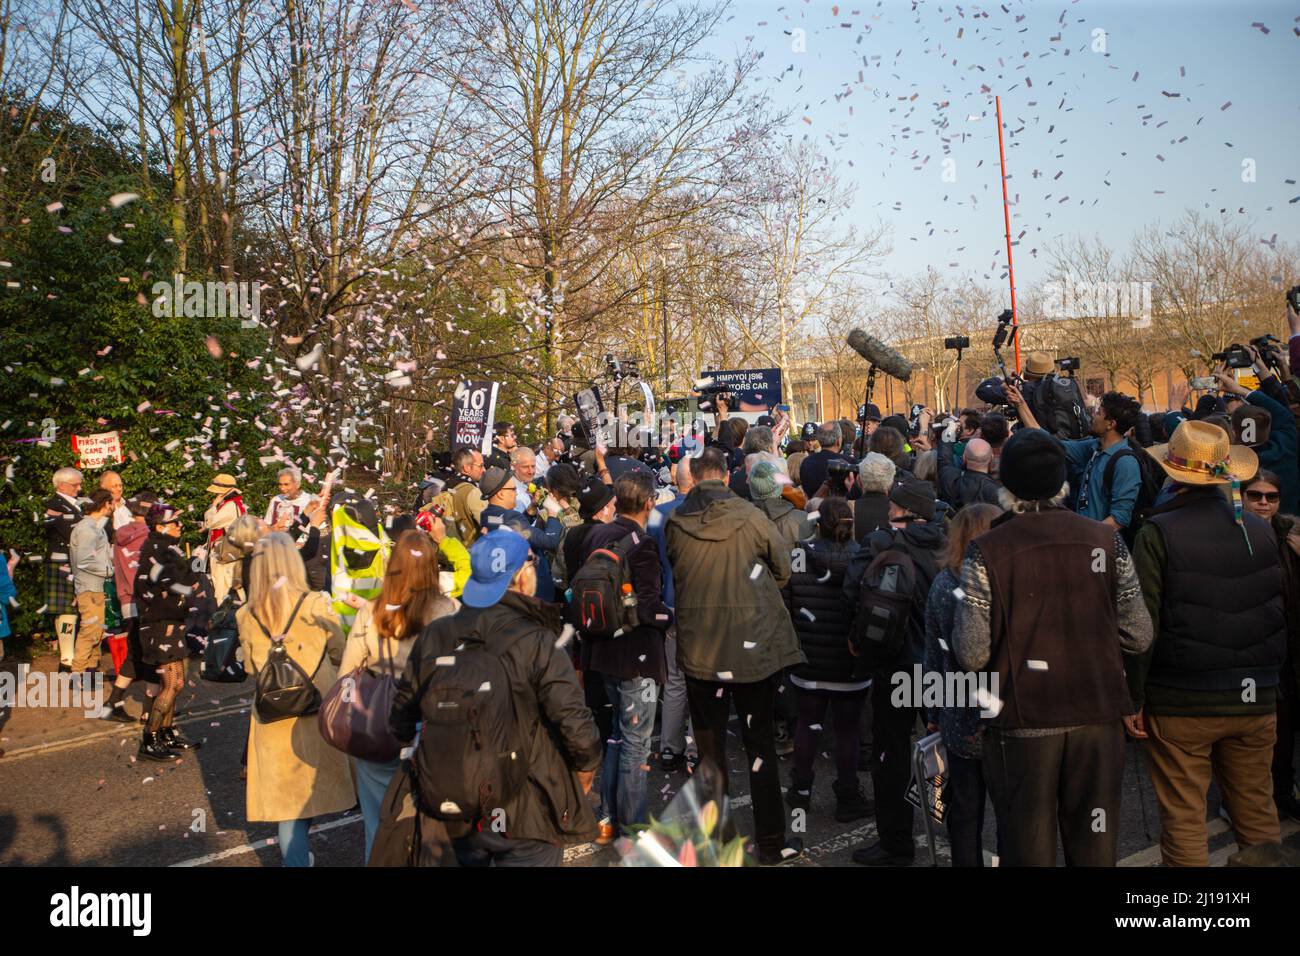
(262,844)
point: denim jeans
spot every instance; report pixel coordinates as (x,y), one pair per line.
(294,849)
(372,784)
(624,779)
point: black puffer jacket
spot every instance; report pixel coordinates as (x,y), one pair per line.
(922,541)
(821,619)
(549,707)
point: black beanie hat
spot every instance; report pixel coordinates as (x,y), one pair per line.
(916,496)
(1033,465)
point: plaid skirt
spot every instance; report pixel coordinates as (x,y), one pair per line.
(60,592)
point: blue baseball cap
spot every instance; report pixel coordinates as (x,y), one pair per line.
(494,559)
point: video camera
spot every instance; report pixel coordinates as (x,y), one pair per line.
(711,392)
(1235,355)
(1270,351)
(1070,364)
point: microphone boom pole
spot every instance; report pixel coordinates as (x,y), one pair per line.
(1006,219)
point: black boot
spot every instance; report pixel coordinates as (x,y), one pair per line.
(851,803)
(799,796)
(117,712)
(152,747)
(173,738)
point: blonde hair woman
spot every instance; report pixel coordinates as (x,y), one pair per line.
(382,637)
(293,774)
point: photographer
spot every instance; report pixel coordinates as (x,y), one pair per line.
(970,483)
(812,471)
(1110,502)
(841,479)
(1268,427)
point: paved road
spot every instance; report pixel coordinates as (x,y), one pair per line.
(89,802)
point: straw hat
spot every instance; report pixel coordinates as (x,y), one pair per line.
(1199,453)
(221,484)
(1039,363)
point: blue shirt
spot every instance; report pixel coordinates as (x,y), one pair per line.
(1088,464)
(658,521)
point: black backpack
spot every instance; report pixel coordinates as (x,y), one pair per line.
(473,757)
(1151,478)
(284,689)
(1060,408)
(223,659)
(885,598)
(602,599)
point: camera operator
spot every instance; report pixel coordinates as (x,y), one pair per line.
(812,471)
(1268,427)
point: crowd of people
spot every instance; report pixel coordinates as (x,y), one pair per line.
(491,649)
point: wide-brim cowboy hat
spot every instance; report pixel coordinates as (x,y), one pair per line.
(1199,453)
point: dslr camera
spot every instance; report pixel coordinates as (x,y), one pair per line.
(1234,356)
(837,476)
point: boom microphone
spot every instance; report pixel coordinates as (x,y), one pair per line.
(880,355)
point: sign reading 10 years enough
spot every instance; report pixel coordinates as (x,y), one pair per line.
(472,414)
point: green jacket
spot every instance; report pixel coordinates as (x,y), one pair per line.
(792,524)
(729,564)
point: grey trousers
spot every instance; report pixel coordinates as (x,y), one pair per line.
(676,716)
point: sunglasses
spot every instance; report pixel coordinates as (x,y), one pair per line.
(1272,497)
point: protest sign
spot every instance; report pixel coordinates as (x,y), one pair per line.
(96,451)
(754,389)
(473,413)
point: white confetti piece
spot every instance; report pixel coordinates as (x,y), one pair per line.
(959,594)
(807,613)
(1036,665)
(990,704)
(311,359)
(758,762)
(750,645)
(448,661)
(484,687)
(724,675)
(118,200)
(754,574)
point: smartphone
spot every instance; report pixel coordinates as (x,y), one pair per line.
(1203,382)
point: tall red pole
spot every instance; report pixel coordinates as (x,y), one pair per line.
(1006,218)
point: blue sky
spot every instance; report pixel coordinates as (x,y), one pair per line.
(1091,149)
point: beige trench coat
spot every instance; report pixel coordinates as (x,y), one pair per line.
(293,774)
